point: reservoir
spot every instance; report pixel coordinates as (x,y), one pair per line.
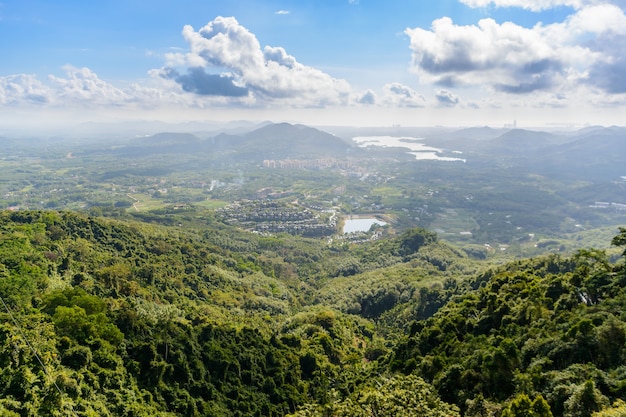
(418,149)
(360,225)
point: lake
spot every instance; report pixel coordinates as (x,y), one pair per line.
(419,150)
(360,225)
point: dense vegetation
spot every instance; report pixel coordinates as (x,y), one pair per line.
(551,327)
(176,313)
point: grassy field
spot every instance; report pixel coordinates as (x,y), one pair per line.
(145,202)
(211,204)
(452,222)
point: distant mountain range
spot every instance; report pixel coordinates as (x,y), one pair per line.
(273,141)
(600,154)
(595,153)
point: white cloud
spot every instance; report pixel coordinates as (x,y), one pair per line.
(577,64)
(23,89)
(602,18)
(283,12)
(225,66)
(446,98)
(81,88)
(367,97)
(223,42)
(534,5)
(400,95)
(280,56)
(83,85)
(268,74)
(516,60)
(506,56)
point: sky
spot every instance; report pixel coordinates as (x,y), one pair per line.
(559,63)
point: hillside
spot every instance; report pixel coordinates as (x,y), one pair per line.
(524,142)
(592,154)
(598,154)
(131,318)
(272,141)
(171,313)
(551,327)
(284,140)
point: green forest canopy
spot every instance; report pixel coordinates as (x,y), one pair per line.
(134,318)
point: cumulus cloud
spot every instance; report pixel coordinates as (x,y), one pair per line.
(578,60)
(446,98)
(224,65)
(23,89)
(268,73)
(84,85)
(598,19)
(516,60)
(402,96)
(368,97)
(199,82)
(608,73)
(79,88)
(279,56)
(534,5)
(508,55)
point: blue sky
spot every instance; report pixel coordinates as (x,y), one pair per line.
(359,62)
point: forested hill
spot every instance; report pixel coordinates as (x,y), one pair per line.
(176,314)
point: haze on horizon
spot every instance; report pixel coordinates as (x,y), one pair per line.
(330,62)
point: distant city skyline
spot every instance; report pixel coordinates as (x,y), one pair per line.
(329,62)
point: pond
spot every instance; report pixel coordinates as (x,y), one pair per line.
(360,225)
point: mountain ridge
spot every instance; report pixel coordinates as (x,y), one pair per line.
(271,141)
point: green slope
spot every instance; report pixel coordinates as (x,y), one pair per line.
(177,314)
(552,327)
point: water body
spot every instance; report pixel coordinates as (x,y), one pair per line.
(416,148)
(360,225)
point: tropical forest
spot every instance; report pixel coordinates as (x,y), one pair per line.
(144,280)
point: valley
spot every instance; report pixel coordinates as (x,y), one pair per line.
(213,274)
(512,188)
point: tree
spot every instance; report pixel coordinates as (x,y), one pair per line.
(399,395)
(522,406)
(618,410)
(620,239)
(584,401)
(412,240)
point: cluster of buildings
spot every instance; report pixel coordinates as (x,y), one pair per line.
(267,216)
(607,205)
(322,163)
(348,167)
